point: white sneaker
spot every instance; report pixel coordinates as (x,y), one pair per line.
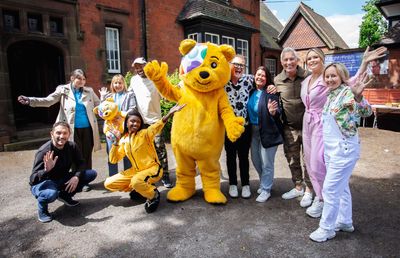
(233,191)
(315,210)
(321,235)
(344,227)
(293,194)
(246,193)
(263,197)
(306,200)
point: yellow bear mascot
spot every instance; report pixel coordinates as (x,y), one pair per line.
(114,119)
(198,130)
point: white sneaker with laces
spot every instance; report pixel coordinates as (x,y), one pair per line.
(263,197)
(315,210)
(292,194)
(306,200)
(233,191)
(246,193)
(321,235)
(344,227)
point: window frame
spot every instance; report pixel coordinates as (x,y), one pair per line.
(194,36)
(212,35)
(246,56)
(229,38)
(113,62)
(268,65)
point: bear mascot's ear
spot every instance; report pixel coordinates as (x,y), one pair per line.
(96,110)
(228,51)
(186,45)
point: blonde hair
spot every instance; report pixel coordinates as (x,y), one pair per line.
(318,52)
(341,70)
(115,78)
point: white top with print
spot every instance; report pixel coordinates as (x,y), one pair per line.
(239,94)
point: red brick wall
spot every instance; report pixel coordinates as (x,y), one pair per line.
(302,36)
(93,21)
(164,33)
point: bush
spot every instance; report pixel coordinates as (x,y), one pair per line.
(128,77)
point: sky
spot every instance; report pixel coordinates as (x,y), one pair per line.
(345,16)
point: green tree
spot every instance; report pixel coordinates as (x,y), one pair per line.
(373,25)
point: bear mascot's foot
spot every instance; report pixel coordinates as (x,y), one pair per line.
(214,196)
(180,194)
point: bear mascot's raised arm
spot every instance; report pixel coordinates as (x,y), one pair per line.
(198,131)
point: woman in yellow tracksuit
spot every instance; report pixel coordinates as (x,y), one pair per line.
(138,145)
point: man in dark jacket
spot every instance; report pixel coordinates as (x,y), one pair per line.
(288,84)
(51,177)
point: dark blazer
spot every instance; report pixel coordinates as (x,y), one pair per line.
(271,128)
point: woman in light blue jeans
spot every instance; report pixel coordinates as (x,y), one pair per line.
(266,130)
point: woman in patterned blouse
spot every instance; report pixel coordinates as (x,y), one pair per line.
(341,115)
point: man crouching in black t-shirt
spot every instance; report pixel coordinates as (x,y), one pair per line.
(51,177)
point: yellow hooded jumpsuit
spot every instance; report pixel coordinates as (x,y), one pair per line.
(145,170)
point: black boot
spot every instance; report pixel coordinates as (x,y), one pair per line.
(135,196)
(152,205)
(166,181)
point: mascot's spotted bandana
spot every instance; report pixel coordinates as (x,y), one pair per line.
(198,130)
(193,59)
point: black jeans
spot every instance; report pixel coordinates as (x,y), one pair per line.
(240,148)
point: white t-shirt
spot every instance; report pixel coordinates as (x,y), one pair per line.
(147,97)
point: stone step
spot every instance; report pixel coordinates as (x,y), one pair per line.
(27,144)
(33,133)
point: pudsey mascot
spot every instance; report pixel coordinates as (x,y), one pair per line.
(198,130)
(113,118)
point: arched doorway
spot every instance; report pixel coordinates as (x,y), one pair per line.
(35,69)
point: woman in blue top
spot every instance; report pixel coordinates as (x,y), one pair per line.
(76,104)
(126,102)
(266,130)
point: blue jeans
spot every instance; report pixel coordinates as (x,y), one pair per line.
(113,168)
(47,191)
(263,160)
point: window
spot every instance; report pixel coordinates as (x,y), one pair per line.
(228,41)
(112,50)
(56,25)
(35,23)
(270,63)
(243,49)
(194,36)
(213,38)
(11,20)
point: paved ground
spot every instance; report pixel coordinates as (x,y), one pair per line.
(111,225)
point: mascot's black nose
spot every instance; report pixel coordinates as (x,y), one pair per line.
(204,75)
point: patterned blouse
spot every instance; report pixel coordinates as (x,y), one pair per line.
(239,94)
(346,110)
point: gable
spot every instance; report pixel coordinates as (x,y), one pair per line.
(302,36)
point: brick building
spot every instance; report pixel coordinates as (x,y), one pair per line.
(270,27)
(40,44)
(307,29)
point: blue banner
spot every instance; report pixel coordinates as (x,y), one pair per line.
(352,61)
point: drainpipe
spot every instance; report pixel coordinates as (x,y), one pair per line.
(144,30)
